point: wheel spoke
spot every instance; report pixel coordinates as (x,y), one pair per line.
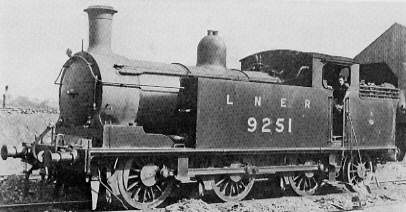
(226,185)
(314,181)
(237,190)
(299,184)
(145,195)
(307,184)
(239,187)
(159,188)
(133,177)
(133,185)
(220,181)
(150,194)
(232,189)
(303,184)
(139,195)
(242,186)
(229,188)
(136,193)
(153,194)
(310,183)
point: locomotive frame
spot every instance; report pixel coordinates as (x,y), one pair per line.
(326,157)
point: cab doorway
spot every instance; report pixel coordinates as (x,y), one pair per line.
(336,78)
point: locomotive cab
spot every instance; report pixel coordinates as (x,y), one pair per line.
(369,105)
(327,71)
(364,106)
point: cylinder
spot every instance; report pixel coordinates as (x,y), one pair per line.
(100,21)
(13,151)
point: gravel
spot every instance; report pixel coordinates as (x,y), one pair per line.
(334,198)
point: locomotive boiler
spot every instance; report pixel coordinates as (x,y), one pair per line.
(134,129)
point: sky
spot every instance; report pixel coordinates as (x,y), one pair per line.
(34,35)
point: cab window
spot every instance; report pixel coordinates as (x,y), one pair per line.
(332,73)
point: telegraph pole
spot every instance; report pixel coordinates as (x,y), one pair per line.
(4,96)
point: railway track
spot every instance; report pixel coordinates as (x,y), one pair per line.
(39,206)
(86,204)
(400,181)
(32,176)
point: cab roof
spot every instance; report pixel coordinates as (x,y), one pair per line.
(292,53)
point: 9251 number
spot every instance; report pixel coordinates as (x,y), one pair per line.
(281,125)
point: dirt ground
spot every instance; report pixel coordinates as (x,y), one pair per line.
(387,197)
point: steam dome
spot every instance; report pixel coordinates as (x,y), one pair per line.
(211,50)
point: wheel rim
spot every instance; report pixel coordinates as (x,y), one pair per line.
(304,183)
(233,187)
(141,184)
(359,172)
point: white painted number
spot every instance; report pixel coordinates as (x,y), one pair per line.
(290,125)
(252,124)
(279,125)
(266,125)
(266,122)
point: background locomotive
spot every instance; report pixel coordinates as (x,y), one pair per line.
(136,128)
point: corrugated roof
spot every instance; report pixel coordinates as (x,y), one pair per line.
(389,48)
(391,30)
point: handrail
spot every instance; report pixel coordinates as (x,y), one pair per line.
(114,84)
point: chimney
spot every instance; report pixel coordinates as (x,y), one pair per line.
(100,20)
(211,50)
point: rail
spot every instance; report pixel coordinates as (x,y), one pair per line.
(35,206)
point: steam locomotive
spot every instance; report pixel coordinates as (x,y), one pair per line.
(135,129)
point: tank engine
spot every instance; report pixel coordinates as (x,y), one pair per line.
(136,128)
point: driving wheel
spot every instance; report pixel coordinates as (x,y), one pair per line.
(142,184)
